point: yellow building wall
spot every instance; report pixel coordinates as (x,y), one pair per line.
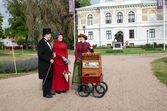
(159,10)
(83,21)
(159,16)
(145,12)
(123,11)
(110,11)
(144,18)
(85,14)
(128,10)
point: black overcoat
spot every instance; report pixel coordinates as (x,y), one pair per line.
(45,54)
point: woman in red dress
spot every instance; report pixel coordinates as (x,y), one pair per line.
(60,65)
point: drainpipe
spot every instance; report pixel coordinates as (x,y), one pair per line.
(99,26)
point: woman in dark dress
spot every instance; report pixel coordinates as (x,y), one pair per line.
(60,65)
(81,47)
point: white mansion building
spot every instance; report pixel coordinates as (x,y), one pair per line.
(134,22)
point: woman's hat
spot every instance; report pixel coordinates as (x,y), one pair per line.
(56,34)
(46,31)
(83,35)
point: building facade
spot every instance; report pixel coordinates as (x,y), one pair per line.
(132,22)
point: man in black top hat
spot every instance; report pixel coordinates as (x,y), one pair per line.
(45,60)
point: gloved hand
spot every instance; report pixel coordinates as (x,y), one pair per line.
(65,60)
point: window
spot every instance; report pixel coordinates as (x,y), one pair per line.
(152,33)
(90,19)
(108,34)
(90,35)
(108,18)
(131,34)
(131,16)
(119,17)
(152,16)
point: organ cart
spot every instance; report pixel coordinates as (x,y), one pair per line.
(92,77)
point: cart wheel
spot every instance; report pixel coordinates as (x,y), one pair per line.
(104,85)
(98,91)
(84,90)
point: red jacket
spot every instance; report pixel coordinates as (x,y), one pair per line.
(82,48)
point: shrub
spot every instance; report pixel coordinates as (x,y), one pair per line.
(114,51)
(100,47)
(1,45)
(128,46)
(155,44)
(148,45)
(22,66)
(160,45)
(7,67)
(94,45)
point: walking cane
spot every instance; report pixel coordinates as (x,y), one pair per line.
(47,73)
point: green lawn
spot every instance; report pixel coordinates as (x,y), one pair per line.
(107,51)
(18,56)
(159,68)
(136,51)
(104,51)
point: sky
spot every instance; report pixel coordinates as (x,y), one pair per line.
(6,15)
(95,1)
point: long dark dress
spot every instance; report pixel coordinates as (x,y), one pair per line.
(59,83)
(77,72)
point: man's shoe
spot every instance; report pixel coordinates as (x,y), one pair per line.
(52,92)
(48,96)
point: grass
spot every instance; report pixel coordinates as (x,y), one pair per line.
(159,68)
(18,56)
(109,51)
(104,51)
(12,75)
(28,51)
(136,51)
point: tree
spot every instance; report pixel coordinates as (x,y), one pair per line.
(31,16)
(1,30)
(17,21)
(84,3)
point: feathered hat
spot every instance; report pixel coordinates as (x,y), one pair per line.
(83,35)
(56,34)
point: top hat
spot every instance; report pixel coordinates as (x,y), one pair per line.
(56,34)
(83,35)
(46,31)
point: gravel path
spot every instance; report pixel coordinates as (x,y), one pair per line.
(132,87)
